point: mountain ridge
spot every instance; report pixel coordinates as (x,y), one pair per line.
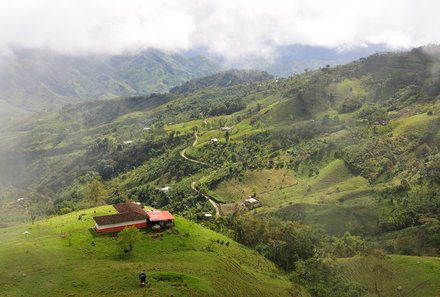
(39,80)
(341,160)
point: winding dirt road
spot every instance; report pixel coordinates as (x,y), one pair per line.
(215,205)
(182,153)
(193,184)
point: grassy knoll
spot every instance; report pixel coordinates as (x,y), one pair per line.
(394,275)
(349,88)
(358,215)
(58,259)
(414,125)
(333,184)
(239,132)
(185,127)
(333,200)
(258,181)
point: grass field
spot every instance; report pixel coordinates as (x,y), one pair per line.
(334,200)
(58,259)
(260,181)
(333,184)
(416,124)
(275,188)
(356,216)
(394,276)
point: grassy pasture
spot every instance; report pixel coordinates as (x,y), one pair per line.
(334,200)
(57,258)
(260,181)
(394,275)
(413,125)
(333,184)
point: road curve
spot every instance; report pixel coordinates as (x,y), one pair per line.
(215,205)
(193,184)
(195,140)
(182,154)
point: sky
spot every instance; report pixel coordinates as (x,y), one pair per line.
(230,28)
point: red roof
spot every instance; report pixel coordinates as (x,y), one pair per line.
(159,215)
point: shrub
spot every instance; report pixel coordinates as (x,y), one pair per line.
(350,104)
(128,238)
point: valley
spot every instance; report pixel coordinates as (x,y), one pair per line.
(342,161)
(41,80)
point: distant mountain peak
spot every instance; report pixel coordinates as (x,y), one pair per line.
(36,80)
(222,79)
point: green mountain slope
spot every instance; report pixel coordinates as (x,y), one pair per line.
(394,275)
(57,258)
(222,79)
(353,148)
(364,116)
(41,80)
(294,59)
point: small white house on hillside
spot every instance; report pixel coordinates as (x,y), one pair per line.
(165,189)
(251,200)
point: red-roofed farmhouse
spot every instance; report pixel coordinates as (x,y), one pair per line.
(160,219)
(129,214)
(132,215)
(159,215)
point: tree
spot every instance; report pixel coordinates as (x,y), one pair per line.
(350,104)
(32,210)
(433,170)
(128,238)
(348,245)
(125,197)
(321,278)
(96,190)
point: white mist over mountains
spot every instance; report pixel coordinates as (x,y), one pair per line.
(54,52)
(231,29)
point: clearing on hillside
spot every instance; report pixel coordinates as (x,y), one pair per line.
(254,182)
(394,275)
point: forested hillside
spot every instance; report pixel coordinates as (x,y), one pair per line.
(32,80)
(343,161)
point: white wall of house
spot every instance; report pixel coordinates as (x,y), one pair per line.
(100,227)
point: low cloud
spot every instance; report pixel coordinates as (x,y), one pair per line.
(433,52)
(232,29)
